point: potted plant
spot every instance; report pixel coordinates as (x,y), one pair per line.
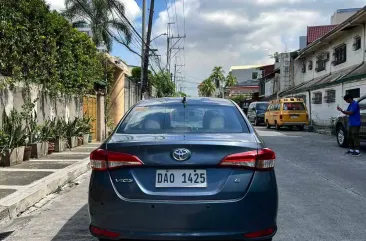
(13,150)
(57,136)
(41,147)
(72,132)
(85,129)
(3,145)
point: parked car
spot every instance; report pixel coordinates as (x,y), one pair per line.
(256,112)
(288,112)
(154,179)
(341,124)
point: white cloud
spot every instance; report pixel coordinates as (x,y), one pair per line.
(133,11)
(238,32)
(56,4)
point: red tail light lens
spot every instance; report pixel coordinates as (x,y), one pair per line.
(101,160)
(280,117)
(259,234)
(263,159)
(103,233)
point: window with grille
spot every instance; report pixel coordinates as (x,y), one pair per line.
(330,96)
(320,63)
(317,98)
(254,75)
(355,93)
(357,43)
(340,55)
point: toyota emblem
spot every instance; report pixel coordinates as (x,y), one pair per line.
(181,154)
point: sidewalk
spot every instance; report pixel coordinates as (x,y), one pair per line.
(23,185)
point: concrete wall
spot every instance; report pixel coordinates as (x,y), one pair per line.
(243,75)
(46,107)
(321,114)
(341,15)
(268,88)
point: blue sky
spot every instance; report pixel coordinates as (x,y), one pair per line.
(121,51)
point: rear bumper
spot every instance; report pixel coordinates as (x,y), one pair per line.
(185,220)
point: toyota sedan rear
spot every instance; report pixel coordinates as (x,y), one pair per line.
(183,169)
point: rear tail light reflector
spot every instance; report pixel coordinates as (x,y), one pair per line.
(101,160)
(280,117)
(103,233)
(259,234)
(263,159)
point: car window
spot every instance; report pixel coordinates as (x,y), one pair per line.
(177,119)
(293,106)
(262,106)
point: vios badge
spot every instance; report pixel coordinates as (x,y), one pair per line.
(181,154)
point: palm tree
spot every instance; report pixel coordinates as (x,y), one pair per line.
(207,88)
(99,13)
(217,76)
(230,80)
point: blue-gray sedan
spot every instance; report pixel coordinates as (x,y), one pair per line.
(183,169)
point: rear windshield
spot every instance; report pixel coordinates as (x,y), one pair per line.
(262,106)
(294,106)
(177,119)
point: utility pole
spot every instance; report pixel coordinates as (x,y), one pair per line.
(147,48)
(143,46)
(168,47)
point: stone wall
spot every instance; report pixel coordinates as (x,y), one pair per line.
(47,107)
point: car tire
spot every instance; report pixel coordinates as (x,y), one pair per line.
(277,126)
(341,136)
(268,125)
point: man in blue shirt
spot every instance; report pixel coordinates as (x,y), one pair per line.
(354,125)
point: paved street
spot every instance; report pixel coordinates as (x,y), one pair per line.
(322,196)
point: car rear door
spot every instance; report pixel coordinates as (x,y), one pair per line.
(294,112)
(362,104)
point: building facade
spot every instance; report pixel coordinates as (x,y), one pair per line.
(330,67)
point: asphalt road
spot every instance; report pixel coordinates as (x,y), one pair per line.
(322,196)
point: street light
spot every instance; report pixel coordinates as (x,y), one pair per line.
(163,34)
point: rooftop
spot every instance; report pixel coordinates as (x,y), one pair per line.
(242,67)
(316,32)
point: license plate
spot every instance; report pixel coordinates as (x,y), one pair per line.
(294,116)
(181,178)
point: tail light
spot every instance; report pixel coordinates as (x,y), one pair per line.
(259,234)
(280,117)
(307,117)
(101,160)
(260,160)
(103,233)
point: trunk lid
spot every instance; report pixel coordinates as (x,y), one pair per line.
(206,152)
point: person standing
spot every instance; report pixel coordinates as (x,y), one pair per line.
(354,125)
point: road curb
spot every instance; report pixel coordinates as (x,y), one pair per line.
(21,200)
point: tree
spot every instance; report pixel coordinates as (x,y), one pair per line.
(217,76)
(207,88)
(136,74)
(98,13)
(40,46)
(164,86)
(230,80)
